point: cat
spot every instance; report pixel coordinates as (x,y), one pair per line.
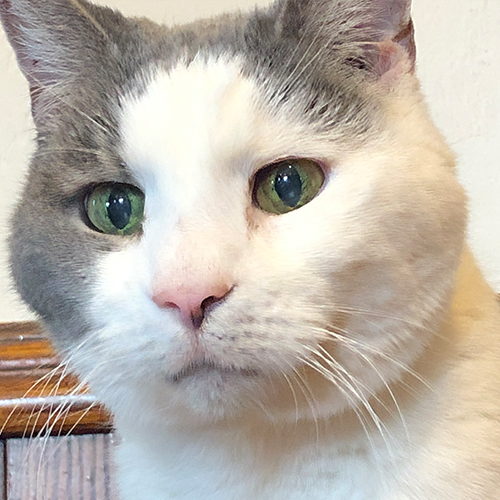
(247,236)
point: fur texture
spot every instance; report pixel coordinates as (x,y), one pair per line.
(352,349)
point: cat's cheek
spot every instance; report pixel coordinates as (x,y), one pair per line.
(119,304)
(123,278)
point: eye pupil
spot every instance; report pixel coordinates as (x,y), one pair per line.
(119,209)
(288,186)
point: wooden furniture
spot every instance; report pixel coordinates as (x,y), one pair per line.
(55,440)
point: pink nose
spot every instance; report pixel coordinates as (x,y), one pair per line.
(192,303)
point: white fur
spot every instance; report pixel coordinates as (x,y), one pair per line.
(364,273)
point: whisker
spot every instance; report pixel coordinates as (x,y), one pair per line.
(347,339)
(348,395)
(378,314)
(380,426)
(309,397)
(48,401)
(384,382)
(294,395)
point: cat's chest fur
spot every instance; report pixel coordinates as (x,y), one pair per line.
(329,475)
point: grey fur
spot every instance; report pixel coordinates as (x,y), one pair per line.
(81,59)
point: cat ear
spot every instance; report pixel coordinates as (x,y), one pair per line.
(55,41)
(373,34)
(396,51)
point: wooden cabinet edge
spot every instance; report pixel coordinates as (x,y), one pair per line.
(36,398)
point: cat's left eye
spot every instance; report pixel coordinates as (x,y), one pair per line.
(287,185)
(116,209)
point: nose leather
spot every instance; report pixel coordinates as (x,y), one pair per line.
(192,301)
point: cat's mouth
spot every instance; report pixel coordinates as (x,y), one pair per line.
(208,368)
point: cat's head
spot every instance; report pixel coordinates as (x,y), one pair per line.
(247,213)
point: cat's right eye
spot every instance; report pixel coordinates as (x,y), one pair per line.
(114,208)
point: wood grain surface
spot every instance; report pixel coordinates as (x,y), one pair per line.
(36,396)
(65,468)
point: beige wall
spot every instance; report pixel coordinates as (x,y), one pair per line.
(459,64)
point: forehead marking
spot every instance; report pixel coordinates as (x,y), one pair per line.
(189,119)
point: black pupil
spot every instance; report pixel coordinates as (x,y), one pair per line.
(288,185)
(119,209)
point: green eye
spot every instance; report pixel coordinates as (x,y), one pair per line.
(287,185)
(116,209)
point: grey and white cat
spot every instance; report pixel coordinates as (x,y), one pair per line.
(247,236)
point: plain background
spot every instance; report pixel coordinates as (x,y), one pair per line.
(458,45)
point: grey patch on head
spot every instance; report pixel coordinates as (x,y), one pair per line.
(316,57)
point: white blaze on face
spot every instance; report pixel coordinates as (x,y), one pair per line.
(201,124)
(187,126)
(187,140)
(194,140)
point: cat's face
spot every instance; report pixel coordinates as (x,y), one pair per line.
(229,218)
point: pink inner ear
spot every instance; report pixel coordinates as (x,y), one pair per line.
(393,12)
(396,48)
(406,39)
(396,56)
(392,62)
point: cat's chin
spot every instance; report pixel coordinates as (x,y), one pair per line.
(210,373)
(204,393)
(208,392)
